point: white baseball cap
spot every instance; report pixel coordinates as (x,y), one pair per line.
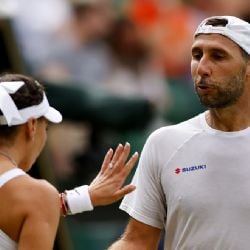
(235,29)
(13,116)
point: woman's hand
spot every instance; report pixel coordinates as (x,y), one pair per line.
(108,187)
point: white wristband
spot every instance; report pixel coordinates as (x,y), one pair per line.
(78,199)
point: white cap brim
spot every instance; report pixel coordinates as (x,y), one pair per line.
(53,115)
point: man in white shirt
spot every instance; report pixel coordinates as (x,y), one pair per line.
(193,177)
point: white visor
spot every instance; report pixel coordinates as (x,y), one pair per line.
(12,116)
(53,115)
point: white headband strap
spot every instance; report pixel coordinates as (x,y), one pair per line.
(25,114)
(7,105)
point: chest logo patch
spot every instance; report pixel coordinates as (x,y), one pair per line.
(190,169)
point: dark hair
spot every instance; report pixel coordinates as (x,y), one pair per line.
(244,54)
(217,22)
(28,95)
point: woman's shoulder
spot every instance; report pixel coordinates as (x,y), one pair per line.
(28,191)
(25,199)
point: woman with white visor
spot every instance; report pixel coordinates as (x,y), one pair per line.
(30,208)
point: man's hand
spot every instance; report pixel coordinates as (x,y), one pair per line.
(108,187)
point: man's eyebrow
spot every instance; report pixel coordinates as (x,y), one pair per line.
(195,49)
(219,50)
(212,49)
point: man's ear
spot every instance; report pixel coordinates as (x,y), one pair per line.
(31,128)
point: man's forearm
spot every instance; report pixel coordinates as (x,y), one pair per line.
(138,236)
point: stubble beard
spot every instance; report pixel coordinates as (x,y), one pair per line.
(226,94)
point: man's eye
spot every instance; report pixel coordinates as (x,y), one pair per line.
(218,56)
(196,56)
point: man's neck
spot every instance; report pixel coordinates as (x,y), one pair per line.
(228,120)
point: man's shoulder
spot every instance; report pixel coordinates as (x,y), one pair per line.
(166,140)
(184,129)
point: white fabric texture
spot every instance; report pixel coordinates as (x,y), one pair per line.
(13,116)
(6,243)
(9,175)
(236,29)
(193,181)
(7,105)
(35,111)
(78,199)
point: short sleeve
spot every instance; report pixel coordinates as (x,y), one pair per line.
(147,203)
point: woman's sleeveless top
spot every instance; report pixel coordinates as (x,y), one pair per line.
(6,243)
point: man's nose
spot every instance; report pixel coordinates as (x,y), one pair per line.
(204,67)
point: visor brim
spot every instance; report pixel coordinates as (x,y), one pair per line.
(53,115)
